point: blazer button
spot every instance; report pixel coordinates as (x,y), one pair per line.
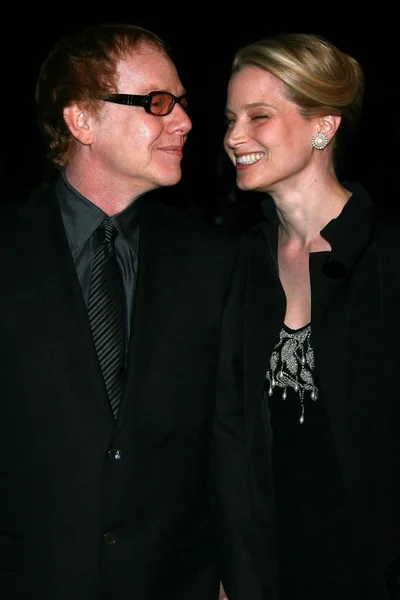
(114,454)
(109,538)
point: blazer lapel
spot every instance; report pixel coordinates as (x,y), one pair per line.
(333,283)
(50,268)
(158,280)
(330,326)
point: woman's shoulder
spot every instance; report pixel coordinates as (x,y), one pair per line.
(384,215)
(386,225)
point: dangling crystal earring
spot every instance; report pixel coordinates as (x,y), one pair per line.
(319,141)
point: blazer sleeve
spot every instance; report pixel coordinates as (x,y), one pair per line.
(245,548)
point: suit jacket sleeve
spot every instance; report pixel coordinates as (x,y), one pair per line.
(247,553)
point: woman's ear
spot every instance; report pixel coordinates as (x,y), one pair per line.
(78,121)
(325,129)
(329,125)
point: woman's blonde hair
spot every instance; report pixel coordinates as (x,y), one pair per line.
(318,77)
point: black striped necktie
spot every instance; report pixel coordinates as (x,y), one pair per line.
(106,309)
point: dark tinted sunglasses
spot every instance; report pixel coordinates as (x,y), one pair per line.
(158,104)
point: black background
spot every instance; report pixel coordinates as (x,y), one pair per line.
(203,44)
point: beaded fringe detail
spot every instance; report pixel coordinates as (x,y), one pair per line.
(292,365)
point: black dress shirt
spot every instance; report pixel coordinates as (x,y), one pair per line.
(81,219)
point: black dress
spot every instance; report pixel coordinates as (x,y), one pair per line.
(319,551)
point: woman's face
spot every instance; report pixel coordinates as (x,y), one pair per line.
(267,139)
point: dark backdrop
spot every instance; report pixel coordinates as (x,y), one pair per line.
(203,46)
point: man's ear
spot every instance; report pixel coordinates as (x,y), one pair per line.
(78,120)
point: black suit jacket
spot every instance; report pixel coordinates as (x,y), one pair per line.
(356,333)
(91,508)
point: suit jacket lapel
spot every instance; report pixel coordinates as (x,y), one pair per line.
(333,284)
(50,268)
(159,268)
(330,326)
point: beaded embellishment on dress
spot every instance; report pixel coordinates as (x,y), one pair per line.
(292,365)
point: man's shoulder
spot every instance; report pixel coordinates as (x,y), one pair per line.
(10,207)
(10,210)
(188,226)
(20,211)
(197,225)
(14,205)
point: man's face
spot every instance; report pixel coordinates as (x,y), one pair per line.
(132,148)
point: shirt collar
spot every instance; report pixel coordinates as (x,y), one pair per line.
(81,217)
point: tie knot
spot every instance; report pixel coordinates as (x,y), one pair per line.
(107,231)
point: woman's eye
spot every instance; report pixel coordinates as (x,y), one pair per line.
(259,117)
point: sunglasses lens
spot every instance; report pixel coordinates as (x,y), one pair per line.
(161,104)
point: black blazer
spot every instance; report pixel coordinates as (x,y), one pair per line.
(356,333)
(91,508)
